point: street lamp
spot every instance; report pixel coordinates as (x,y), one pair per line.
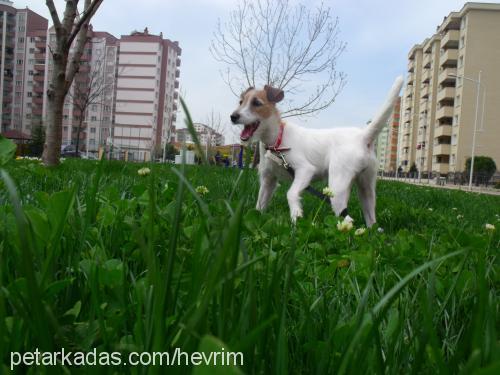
(478,86)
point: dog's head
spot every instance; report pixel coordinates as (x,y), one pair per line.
(257,111)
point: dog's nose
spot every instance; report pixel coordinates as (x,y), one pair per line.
(234,117)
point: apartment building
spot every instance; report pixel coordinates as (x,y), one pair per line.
(146,94)
(439,99)
(387,141)
(22,63)
(206,135)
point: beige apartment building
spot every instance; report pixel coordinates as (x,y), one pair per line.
(387,141)
(439,104)
(146,94)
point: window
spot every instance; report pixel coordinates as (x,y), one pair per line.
(30,72)
(21,29)
(94,107)
(19,61)
(30,94)
(457,101)
(455,120)
(92,130)
(32,50)
(460,61)
(19,83)
(93,118)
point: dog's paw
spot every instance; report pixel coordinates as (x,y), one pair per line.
(295,213)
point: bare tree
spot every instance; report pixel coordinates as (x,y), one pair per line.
(88,89)
(68,30)
(279,44)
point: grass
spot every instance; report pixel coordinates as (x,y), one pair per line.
(92,255)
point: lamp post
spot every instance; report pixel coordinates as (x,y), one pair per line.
(478,86)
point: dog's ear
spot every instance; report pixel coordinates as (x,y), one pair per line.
(274,95)
(247,90)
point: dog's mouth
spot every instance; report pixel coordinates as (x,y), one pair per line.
(248,130)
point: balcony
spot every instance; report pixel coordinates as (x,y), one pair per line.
(39,67)
(445,76)
(449,58)
(176,85)
(38,100)
(442,131)
(410,79)
(426,76)
(445,111)
(441,149)
(427,60)
(178,62)
(40,56)
(38,78)
(411,66)
(441,168)
(40,44)
(447,93)
(176,95)
(450,39)
(177,73)
(424,92)
(37,111)
(38,89)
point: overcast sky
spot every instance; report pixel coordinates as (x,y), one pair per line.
(378,34)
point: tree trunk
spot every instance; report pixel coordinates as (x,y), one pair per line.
(77,144)
(55,100)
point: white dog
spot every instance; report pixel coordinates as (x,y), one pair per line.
(343,155)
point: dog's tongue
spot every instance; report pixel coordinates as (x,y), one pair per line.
(248,131)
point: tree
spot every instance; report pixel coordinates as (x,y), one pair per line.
(484,166)
(68,30)
(413,169)
(279,44)
(87,90)
(37,141)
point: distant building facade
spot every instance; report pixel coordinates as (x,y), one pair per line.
(22,63)
(206,135)
(387,141)
(146,94)
(439,99)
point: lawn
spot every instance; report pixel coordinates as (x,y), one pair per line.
(94,255)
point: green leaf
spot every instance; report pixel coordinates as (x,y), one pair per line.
(7,150)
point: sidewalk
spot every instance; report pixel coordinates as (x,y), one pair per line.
(432,183)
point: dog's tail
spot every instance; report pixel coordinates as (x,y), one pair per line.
(383,114)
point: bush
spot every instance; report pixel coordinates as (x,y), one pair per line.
(483,165)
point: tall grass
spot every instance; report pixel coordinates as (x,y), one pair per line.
(92,255)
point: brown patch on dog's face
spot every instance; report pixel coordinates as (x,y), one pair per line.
(261,102)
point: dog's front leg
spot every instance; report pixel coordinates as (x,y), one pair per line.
(268,184)
(301,181)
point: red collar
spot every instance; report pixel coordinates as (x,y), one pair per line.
(279,139)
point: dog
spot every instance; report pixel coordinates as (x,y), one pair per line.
(342,155)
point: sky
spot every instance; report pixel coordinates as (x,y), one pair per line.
(378,34)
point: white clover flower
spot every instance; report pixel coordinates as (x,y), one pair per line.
(459,217)
(202,190)
(345,225)
(489,227)
(454,208)
(380,230)
(359,231)
(430,209)
(144,171)
(328,192)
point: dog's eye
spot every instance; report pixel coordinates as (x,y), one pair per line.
(256,102)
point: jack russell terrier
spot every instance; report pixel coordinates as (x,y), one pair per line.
(343,155)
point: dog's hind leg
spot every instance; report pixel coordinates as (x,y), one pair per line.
(366,182)
(340,182)
(268,185)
